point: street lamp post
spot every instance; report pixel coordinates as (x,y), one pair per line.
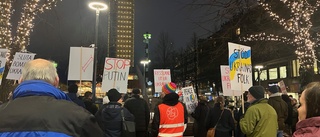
(98,6)
(259,67)
(144,62)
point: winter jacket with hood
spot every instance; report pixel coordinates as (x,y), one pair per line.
(40,109)
(260,120)
(109,118)
(170,99)
(140,109)
(308,128)
(281,108)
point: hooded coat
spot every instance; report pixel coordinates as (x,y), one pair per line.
(40,109)
(260,120)
(109,118)
(308,128)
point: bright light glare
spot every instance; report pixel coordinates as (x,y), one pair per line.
(98,6)
(145,62)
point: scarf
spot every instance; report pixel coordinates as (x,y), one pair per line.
(38,88)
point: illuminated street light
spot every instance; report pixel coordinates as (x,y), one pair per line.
(98,6)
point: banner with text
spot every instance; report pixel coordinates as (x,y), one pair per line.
(81,63)
(240,66)
(115,74)
(3,60)
(189,98)
(161,77)
(19,60)
(226,84)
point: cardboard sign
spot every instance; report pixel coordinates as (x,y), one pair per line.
(3,56)
(189,98)
(226,84)
(115,74)
(161,77)
(81,63)
(282,87)
(240,66)
(19,60)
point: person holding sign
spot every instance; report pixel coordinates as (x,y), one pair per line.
(171,116)
(39,108)
(260,120)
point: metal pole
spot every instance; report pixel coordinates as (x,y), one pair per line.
(259,73)
(95,59)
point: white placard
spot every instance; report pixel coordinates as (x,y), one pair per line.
(226,84)
(240,66)
(161,77)
(189,98)
(3,55)
(19,60)
(115,74)
(81,63)
(282,87)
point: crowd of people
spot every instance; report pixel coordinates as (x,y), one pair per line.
(38,108)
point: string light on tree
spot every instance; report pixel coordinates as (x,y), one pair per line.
(30,9)
(299,24)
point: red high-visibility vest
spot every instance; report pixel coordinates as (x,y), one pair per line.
(171,120)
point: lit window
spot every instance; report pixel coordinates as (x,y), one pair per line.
(273,73)
(263,75)
(283,72)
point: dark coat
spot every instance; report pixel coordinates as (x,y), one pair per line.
(200,115)
(75,99)
(225,125)
(140,109)
(281,108)
(237,117)
(90,106)
(109,118)
(308,128)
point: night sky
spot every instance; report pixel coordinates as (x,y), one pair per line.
(71,24)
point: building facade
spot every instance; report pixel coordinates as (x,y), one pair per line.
(121,30)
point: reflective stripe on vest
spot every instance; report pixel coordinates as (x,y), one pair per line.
(170,135)
(171,120)
(171,125)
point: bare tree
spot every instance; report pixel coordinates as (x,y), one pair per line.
(164,51)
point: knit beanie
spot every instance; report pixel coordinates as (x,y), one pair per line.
(169,88)
(113,95)
(136,91)
(257,92)
(274,89)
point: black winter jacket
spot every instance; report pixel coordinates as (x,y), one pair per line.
(140,109)
(109,118)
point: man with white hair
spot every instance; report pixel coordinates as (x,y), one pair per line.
(38,108)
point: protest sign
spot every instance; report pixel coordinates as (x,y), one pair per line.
(115,74)
(282,87)
(19,60)
(3,56)
(226,84)
(81,63)
(161,77)
(189,98)
(240,66)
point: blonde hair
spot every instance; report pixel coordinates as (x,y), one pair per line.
(39,69)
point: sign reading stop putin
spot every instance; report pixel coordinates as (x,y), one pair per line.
(115,74)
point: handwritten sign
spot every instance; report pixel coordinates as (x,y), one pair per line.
(81,63)
(189,98)
(3,56)
(226,84)
(19,60)
(161,77)
(282,87)
(240,66)
(115,74)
